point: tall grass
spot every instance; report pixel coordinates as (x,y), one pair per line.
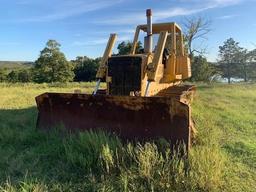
(101,162)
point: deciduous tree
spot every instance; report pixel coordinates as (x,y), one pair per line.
(52,65)
(251,59)
(229,58)
(194,29)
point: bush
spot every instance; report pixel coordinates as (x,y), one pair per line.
(25,75)
(3,75)
(85,68)
(202,70)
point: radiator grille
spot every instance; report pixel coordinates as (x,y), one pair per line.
(126,75)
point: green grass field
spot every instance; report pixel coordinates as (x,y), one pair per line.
(223,157)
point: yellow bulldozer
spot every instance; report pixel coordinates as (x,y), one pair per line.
(144,96)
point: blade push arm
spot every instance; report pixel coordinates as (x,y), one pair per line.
(101,73)
(152,67)
(135,41)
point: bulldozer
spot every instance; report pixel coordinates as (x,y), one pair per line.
(145,97)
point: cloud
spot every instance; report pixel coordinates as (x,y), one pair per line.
(161,14)
(157,15)
(125,31)
(226,17)
(214,2)
(225,2)
(101,41)
(67,8)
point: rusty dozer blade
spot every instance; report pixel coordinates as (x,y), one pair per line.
(128,117)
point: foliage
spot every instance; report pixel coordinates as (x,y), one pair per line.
(250,65)
(124,48)
(230,55)
(85,68)
(25,75)
(242,65)
(221,159)
(52,66)
(3,75)
(12,77)
(202,70)
(236,61)
(11,71)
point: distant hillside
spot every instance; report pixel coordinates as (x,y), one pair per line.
(15,64)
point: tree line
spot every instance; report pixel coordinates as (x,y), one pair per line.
(234,63)
(52,66)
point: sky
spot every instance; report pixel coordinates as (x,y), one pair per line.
(82,27)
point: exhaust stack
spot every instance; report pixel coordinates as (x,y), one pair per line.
(149,38)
